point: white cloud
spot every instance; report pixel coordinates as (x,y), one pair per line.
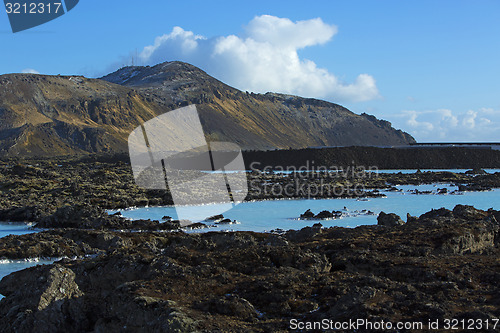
(282,32)
(446,125)
(469,119)
(30,71)
(186,41)
(416,124)
(264,59)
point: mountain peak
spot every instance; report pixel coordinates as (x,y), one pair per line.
(173,75)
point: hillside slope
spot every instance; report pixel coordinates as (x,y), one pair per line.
(258,120)
(60,115)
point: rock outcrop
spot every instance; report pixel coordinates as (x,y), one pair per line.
(389,220)
(442,264)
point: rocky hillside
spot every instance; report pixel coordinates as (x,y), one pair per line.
(257,120)
(59,115)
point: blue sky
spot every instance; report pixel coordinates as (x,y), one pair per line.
(432,68)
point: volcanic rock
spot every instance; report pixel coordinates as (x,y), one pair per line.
(389,220)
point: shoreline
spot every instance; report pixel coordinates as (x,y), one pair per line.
(164,279)
(39,191)
(379,272)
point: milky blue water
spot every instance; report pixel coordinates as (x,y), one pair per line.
(10,266)
(284,214)
(14,228)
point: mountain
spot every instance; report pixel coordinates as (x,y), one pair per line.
(58,115)
(257,120)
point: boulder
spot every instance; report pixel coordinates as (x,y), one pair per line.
(473,188)
(218,217)
(410,218)
(435,213)
(305,233)
(229,305)
(307,215)
(443,190)
(476,171)
(227,221)
(469,212)
(324,214)
(389,220)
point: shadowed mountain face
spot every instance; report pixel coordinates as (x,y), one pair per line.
(58,115)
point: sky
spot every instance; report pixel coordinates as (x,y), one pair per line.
(431,68)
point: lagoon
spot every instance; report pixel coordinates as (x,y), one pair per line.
(262,216)
(268,215)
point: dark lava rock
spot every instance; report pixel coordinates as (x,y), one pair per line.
(476,171)
(443,190)
(469,212)
(338,213)
(82,216)
(58,300)
(443,264)
(197,225)
(215,217)
(324,214)
(45,304)
(22,214)
(436,213)
(89,217)
(230,305)
(410,218)
(307,215)
(304,233)
(389,220)
(474,188)
(46,244)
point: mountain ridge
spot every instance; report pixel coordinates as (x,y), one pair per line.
(47,115)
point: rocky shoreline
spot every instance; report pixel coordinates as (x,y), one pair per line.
(443,264)
(147,276)
(48,191)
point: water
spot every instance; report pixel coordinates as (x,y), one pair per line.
(9,266)
(283,214)
(15,228)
